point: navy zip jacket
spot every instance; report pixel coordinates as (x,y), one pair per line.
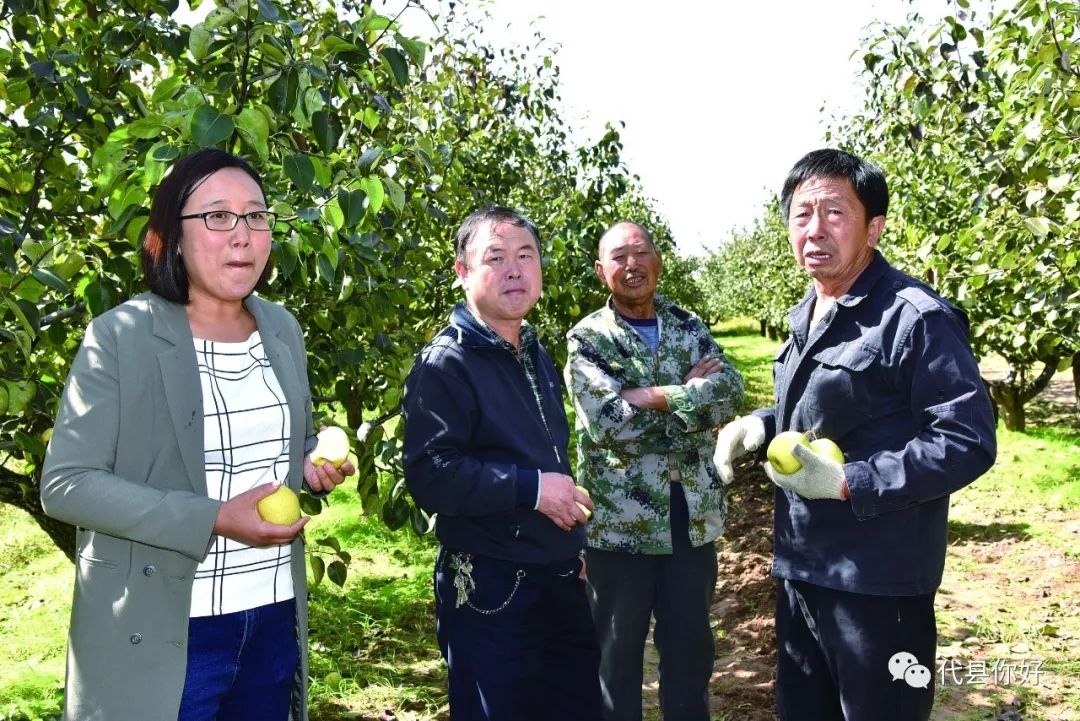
(476,440)
(888,374)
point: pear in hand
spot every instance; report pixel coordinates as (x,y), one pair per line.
(582,506)
(333,446)
(779,451)
(281,507)
(828,448)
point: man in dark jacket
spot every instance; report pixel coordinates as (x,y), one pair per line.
(880,364)
(486,449)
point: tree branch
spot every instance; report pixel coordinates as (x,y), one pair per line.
(1063,61)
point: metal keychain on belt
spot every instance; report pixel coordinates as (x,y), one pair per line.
(464,583)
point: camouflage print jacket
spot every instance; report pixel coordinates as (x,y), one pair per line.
(627,455)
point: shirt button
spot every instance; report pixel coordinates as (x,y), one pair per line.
(136,638)
(149,570)
(897,284)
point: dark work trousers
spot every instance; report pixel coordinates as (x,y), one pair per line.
(523,647)
(834,650)
(625,590)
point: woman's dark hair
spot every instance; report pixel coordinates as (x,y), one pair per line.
(162,264)
(866,178)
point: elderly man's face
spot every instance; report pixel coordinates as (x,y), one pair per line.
(501,273)
(830,236)
(629,265)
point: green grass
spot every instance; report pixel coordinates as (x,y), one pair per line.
(373,642)
(752,355)
(35,591)
(377,633)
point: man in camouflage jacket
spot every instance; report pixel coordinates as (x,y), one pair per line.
(650,388)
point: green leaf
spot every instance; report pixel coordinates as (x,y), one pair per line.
(335,45)
(327,130)
(414,48)
(374,190)
(1039,227)
(255,129)
(325,269)
(329,542)
(98,296)
(351,203)
(167,88)
(30,444)
(51,279)
(210,127)
(318,568)
(368,159)
(370,118)
(284,91)
(300,171)
(1059,183)
(285,257)
(26,313)
(395,194)
(337,572)
(165,152)
(310,505)
(331,213)
(397,63)
(268,11)
(145,128)
(395,513)
(199,41)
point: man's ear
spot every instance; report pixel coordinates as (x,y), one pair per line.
(461,269)
(599,268)
(874,230)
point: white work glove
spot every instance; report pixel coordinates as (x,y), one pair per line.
(737,438)
(819,477)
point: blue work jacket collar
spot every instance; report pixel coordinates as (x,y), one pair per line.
(798,316)
(474,333)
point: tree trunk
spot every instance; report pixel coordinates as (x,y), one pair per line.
(1011,408)
(764,328)
(1013,392)
(1076,380)
(18,491)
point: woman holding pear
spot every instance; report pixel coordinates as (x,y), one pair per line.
(185,407)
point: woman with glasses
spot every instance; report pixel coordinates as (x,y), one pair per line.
(184,407)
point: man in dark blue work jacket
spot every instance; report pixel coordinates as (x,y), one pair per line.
(880,364)
(486,449)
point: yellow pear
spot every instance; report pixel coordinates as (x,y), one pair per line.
(332,445)
(779,451)
(281,507)
(582,506)
(827,448)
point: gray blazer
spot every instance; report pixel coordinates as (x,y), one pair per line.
(125,466)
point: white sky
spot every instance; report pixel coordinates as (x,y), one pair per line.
(719,98)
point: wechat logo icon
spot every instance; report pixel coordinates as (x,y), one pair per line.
(903,666)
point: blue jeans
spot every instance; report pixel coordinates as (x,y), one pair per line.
(523,647)
(241,666)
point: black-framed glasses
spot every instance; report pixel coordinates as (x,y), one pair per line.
(227,220)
